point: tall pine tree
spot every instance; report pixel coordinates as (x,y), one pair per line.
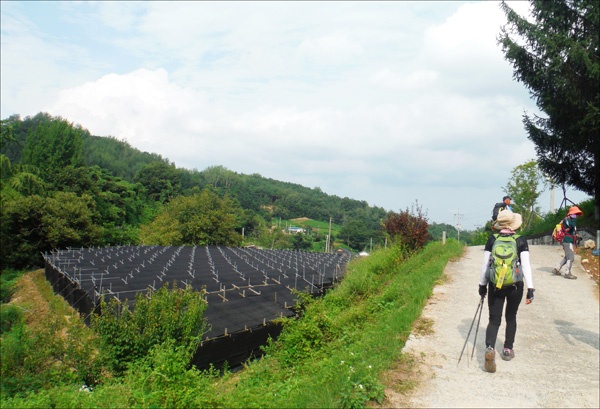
(556,55)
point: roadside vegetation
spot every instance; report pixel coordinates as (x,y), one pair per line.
(334,355)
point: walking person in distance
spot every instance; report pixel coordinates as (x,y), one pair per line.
(569,242)
(505,267)
(498,207)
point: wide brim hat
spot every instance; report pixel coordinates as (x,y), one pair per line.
(575,210)
(508,220)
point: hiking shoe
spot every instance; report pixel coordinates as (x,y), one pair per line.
(570,276)
(556,272)
(490,360)
(507,354)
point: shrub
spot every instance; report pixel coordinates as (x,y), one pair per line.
(168,313)
(409,228)
(164,379)
(9,316)
(7,284)
(34,358)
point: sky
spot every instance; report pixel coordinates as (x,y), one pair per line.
(396,103)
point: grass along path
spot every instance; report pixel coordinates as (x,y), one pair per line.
(557,344)
(333,356)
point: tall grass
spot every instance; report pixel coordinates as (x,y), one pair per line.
(8,278)
(333,356)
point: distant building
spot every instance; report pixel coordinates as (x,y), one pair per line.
(294,230)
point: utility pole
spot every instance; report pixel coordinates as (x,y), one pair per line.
(551,182)
(457,217)
(329,238)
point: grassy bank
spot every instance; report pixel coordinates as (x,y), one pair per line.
(334,356)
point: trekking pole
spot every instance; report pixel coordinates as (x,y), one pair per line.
(477,329)
(467,339)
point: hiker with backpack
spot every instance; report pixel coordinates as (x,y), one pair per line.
(505,265)
(569,240)
(498,207)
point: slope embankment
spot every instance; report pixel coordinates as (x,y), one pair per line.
(557,343)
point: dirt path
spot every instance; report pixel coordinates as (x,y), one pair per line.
(557,343)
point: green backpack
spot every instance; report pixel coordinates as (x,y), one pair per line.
(503,268)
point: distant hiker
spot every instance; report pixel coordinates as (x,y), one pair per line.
(498,207)
(505,265)
(569,242)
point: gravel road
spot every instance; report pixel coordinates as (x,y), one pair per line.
(557,343)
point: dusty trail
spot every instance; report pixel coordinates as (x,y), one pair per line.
(557,343)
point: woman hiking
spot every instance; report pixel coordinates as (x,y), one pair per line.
(504,287)
(569,242)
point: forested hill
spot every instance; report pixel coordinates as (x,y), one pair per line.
(117,190)
(254,192)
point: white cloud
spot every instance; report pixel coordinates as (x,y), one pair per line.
(139,106)
(386,102)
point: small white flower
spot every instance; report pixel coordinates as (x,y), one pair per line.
(341,362)
(360,386)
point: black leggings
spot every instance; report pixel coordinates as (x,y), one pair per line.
(513,296)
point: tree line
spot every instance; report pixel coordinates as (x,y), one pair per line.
(62,186)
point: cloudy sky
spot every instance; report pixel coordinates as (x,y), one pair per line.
(390,102)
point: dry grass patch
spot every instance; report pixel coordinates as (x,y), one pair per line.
(423,326)
(300,219)
(402,381)
(28,297)
(592,266)
(35,297)
(445,278)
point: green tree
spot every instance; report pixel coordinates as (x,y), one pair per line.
(437,231)
(200,219)
(556,56)
(302,241)
(355,234)
(34,224)
(54,145)
(16,179)
(525,187)
(19,180)
(218,176)
(117,157)
(270,236)
(161,180)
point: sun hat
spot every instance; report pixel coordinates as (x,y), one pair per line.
(575,210)
(508,220)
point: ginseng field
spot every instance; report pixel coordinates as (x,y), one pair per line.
(245,288)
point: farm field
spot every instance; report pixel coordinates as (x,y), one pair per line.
(246,289)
